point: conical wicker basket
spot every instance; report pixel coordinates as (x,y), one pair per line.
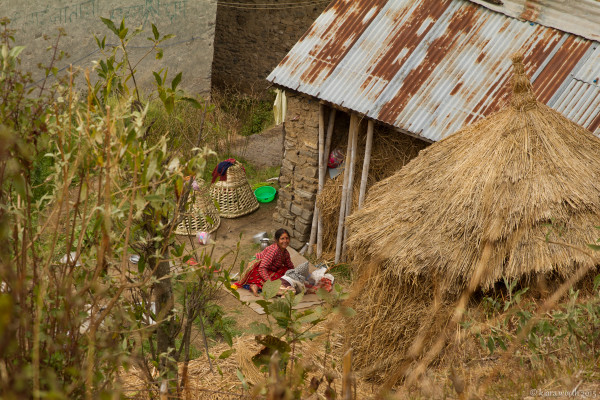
(234,195)
(202,217)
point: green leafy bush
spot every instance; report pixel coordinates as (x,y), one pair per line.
(260,116)
(570,333)
(218,325)
(244,114)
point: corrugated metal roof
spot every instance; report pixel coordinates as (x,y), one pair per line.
(574,16)
(430,67)
(579,97)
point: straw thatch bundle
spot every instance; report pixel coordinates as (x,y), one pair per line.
(499,185)
(389,153)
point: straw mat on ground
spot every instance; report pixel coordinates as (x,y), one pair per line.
(503,184)
(308,300)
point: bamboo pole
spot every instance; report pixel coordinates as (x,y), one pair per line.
(366,162)
(350,180)
(322,173)
(340,230)
(316,212)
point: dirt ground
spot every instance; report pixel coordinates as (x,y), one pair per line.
(262,150)
(240,230)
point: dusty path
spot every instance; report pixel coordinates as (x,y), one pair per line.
(261,150)
(241,229)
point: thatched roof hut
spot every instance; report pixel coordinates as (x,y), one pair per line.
(501,184)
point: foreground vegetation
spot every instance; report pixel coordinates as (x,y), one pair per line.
(86,183)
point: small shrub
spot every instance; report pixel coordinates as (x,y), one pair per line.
(259,118)
(567,337)
(342,273)
(182,126)
(285,329)
(243,114)
(217,325)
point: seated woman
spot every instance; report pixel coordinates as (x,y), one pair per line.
(270,264)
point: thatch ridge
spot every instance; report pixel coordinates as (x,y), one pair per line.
(503,179)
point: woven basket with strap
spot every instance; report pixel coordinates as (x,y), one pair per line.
(234,195)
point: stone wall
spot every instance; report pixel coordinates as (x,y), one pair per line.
(250,41)
(298,177)
(190,52)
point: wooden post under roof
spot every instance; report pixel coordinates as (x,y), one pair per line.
(313,229)
(340,231)
(350,181)
(366,162)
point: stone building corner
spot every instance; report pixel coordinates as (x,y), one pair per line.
(298,178)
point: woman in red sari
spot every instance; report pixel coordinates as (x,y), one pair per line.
(270,264)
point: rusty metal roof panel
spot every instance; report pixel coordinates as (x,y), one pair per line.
(315,56)
(430,67)
(380,63)
(579,98)
(574,16)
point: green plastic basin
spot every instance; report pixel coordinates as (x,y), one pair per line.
(265,194)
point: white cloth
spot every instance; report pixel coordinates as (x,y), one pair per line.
(297,285)
(319,274)
(280,106)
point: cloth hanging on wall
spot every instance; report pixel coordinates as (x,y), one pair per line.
(280,106)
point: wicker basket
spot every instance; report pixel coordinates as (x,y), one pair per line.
(202,217)
(234,195)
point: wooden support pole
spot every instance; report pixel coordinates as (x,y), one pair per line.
(313,229)
(366,162)
(350,181)
(340,230)
(322,173)
(347,378)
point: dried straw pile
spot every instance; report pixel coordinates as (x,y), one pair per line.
(390,152)
(203,384)
(493,185)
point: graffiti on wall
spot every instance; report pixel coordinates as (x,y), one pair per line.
(141,13)
(150,10)
(57,15)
